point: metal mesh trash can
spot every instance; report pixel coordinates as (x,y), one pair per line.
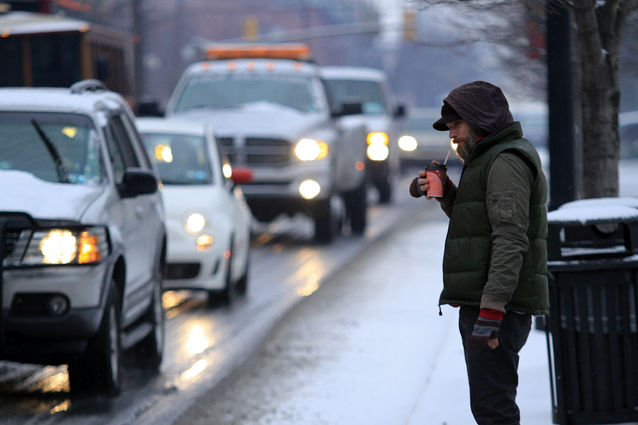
(592,335)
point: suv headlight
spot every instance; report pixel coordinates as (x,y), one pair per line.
(67,246)
(311,149)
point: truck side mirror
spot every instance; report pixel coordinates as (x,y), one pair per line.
(400,111)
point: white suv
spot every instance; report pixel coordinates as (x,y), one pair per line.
(82,234)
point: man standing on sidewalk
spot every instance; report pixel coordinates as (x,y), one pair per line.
(495,259)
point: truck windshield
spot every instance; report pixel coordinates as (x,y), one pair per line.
(178,158)
(226,91)
(56,147)
(369,93)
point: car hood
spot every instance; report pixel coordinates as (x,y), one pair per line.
(23,192)
(375,122)
(257,119)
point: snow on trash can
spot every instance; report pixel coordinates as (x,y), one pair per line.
(592,334)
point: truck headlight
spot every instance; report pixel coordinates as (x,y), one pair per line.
(407,143)
(309,189)
(377,137)
(377,152)
(67,246)
(195,223)
(311,149)
(377,146)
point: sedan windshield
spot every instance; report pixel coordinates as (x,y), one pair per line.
(234,91)
(179,158)
(56,147)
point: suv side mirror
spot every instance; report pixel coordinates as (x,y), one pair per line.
(400,111)
(349,108)
(136,182)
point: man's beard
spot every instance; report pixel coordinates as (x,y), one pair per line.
(464,150)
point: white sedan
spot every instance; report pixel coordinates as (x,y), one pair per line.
(207,218)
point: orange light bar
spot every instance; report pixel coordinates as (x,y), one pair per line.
(292,51)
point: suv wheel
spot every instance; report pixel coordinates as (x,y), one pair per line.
(99,367)
(151,348)
(242,283)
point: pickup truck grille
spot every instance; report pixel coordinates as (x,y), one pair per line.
(257,151)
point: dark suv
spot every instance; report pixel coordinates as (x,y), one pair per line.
(82,234)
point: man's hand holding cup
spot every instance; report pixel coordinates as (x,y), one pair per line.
(431,182)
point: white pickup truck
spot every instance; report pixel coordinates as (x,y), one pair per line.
(272,114)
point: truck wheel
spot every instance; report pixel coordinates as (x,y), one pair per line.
(328,217)
(99,367)
(385,192)
(357,208)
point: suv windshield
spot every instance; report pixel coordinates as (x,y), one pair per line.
(225,91)
(369,93)
(56,147)
(179,158)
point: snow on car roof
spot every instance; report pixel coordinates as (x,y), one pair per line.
(352,72)
(169,125)
(253,65)
(54,99)
(15,23)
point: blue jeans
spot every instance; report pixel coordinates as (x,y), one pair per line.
(493,374)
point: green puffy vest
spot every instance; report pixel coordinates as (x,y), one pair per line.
(468,244)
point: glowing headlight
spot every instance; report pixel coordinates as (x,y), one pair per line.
(66,246)
(204,242)
(311,149)
(227,170)
(58,247)
(195,223)
(309,189)
(377,152)
(407,143)
(377,137)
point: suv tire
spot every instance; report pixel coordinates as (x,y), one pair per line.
(99,368)
(357,208)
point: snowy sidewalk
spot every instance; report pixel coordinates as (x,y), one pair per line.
(369,347)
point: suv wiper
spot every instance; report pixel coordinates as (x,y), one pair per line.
(59,167)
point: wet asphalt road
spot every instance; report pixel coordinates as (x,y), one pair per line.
(204,344)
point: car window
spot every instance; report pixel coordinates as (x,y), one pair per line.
(369,93)
(115,155)
(121,138)
(227,91)
(56,147)
(178,158)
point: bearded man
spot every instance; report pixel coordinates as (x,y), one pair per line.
(495,259)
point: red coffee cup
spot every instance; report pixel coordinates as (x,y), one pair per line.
(436,175)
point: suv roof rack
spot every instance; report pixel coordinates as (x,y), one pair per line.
(91,85)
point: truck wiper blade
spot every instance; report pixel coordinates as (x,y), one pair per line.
(59,167)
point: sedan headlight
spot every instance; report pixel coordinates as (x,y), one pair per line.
(67,246)
(195,223)
(311,149)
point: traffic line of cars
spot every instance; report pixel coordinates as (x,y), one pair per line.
(89,238)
